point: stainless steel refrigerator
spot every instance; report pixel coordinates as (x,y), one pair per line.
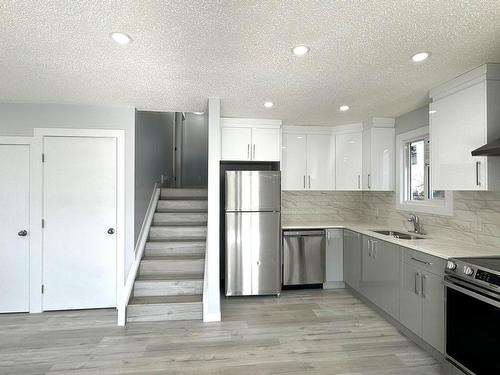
(253,238)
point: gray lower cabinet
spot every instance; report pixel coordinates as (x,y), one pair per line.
(422,301)
(352,259)
(380,279)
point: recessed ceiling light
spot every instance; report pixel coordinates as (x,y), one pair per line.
(198,113)
(300,50)
(421,56)
(269,104)
(432,111)
(121,38)
(344,108)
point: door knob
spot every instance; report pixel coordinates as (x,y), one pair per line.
(22,233)
(111,231)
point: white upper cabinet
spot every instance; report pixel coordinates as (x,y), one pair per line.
(465,115)
(378,155)
(294,169)
(320,162)
(308,159)
(250,139)
(348,151)
(236,143)
(265,144)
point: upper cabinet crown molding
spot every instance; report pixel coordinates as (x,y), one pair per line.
(379,122)
(314,129)
(467,79)
(464,116)
(249,122)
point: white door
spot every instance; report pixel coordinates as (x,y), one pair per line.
(320,162)
(265,144)
(236,143)
(294,168)
(79,243)
(348,150)
(14,228)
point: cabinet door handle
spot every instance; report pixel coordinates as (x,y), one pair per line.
(422,287)
(421,261)
(359,181)
(370,248)
(374,249)
(304,182)
(369,182)
(248,151)
(478,164)
(417,275)
(253,151)
(328,236)
(309,182)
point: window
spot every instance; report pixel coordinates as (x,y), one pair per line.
(414,176)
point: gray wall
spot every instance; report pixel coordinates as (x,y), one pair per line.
(195,151)
(153,158)
(21,119)
(413,120)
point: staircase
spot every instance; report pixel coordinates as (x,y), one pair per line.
(169,282)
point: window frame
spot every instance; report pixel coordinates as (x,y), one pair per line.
(429,206)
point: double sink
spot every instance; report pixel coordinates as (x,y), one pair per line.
(399,235)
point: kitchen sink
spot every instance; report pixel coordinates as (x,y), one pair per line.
(399,235)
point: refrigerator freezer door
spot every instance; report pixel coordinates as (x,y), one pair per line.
(252,253)
(253,191)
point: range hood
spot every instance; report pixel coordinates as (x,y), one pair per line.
(491,149)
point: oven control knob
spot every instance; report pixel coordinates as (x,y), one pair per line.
(451,265)
(468,271)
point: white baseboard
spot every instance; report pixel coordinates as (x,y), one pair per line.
(210,318)
(139,250)
(333,285)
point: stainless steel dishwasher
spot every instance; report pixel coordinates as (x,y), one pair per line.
(303,257)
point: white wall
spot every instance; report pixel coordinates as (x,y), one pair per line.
(211,288)
(21,119)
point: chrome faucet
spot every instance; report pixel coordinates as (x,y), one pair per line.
(417,228)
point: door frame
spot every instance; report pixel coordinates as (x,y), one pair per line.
(36,259)
(27,141)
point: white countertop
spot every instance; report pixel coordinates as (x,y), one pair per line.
(440,247)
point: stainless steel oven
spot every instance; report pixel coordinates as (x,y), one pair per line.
(473,315)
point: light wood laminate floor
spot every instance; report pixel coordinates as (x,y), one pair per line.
(301,332)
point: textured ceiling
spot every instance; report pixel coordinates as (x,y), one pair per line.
(185,51)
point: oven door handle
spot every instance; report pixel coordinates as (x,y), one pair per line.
(470,293)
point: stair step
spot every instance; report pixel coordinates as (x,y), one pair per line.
(182,205)
(181,218)
(171,193)
(185,264)
(166,248)
(168,285)
(166,232)
(161,308)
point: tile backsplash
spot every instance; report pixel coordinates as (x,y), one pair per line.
(476,217)
(320,205)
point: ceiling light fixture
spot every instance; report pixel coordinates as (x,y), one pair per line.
(121,38)
(432,111)
(269,104)
(198,113)
(344,108)
(300,50)
(420,56)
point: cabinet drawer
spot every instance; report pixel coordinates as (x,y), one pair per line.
(424,261)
